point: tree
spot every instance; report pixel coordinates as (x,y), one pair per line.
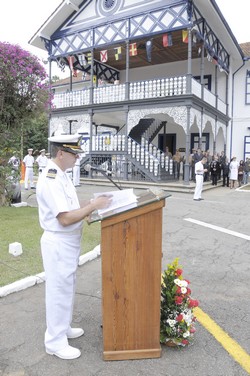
(24,96)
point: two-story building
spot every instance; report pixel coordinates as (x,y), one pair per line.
(146,77)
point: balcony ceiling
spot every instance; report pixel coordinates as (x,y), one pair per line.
(159,55)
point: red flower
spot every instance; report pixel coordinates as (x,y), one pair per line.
(192,329)
(178,300)
(178,291)
(178,272)
(185,342)
(188,282)
(193,303)
(179,318)
(188,291)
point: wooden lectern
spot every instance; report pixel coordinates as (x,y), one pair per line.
(131,246)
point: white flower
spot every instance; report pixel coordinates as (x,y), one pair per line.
(183,284)
(188,317)
(171,323)
(183,290)
(177,281)
(186,334)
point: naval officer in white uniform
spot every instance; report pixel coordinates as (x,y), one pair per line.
(61,218)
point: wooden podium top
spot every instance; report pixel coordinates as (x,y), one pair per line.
(143,199)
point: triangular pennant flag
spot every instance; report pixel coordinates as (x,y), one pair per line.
(132,49)
(167,40)
(104,56)
(71,61)
(82,60)
(71,66)
(184,36)
(118,53)
(149,50)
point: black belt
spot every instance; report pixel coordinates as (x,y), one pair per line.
(198,174)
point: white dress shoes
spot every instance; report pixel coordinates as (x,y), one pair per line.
(75,333)
(67,353)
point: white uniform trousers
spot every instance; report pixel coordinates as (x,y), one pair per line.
(60,252)
(76,175)
(198,187)
(28,177)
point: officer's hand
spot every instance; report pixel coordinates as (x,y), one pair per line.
(102,202)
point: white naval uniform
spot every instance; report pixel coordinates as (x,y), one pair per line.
(199,180)
(42,161)
(60,251)
(29,162)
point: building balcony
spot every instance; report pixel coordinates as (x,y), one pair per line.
(140,90)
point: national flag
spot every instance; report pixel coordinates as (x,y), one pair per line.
(118,53)
(132,49)
(61,63)
(82,60)
(104,56)
(185,36)
(167,40)
(149,50)
(89,58)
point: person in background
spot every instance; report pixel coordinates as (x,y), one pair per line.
(241,172)
(61,217)
(222,161)
(233,172)
(28,162)
(199,172)
(42,161)
(207,166)
(177,158)
(225,173)
(246,171)
(76,172)
(214,168)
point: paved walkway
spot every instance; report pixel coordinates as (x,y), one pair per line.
(215,259)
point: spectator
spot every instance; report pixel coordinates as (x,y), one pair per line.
(246,171)
(225,173)
(241,172)
(214,168)
(233,168)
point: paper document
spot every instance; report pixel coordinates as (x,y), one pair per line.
(121,198)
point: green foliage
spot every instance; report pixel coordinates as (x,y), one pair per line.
(22,225)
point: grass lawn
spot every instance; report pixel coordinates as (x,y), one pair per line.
(22,225)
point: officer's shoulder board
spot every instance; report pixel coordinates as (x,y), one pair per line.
(51,174)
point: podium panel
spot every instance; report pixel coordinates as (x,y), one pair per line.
(131,246)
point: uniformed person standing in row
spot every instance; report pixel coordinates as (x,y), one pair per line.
(42,161)
(61,218)
(28,162)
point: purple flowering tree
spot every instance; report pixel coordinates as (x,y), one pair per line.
(24,96)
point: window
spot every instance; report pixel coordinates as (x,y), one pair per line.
(248,87)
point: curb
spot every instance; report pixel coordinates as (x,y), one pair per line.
(30,281)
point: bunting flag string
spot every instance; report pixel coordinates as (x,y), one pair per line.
(104,56)
(167,40)
(149,50)
(118,53)
(185,36)
(132,49)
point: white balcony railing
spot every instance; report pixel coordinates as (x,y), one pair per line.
(165,87)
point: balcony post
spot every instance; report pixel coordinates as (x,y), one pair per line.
(186,165)
(127,72)
(189,68)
